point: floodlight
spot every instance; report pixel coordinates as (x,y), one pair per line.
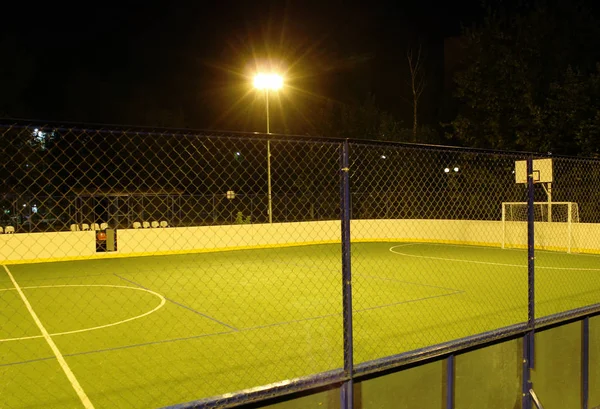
(268,81)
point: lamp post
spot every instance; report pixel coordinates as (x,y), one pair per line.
(268,82)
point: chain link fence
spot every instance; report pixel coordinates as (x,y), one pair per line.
(442,208)
(567,265)
(148,268)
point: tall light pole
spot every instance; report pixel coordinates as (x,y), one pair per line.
(268,82)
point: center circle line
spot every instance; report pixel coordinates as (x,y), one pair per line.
(159,306)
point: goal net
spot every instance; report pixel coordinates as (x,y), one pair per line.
(555,227)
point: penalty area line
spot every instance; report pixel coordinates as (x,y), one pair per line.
(59,356)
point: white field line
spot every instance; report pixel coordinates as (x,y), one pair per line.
(162,303)
(59,357)
(505,249)
(489,263)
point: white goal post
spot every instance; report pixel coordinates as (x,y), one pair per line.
(554,228)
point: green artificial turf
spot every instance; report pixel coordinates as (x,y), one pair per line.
(212,323)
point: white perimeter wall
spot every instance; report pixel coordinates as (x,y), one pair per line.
(32,247)
(44,246)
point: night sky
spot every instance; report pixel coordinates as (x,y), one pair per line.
(190,62)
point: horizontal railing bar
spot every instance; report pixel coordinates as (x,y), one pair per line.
(562,318)
(270,391)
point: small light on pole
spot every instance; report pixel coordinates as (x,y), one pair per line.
(268,82)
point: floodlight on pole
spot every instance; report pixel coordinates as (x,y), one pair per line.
(268,82)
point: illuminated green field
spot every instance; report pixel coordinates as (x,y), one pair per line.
(156,331)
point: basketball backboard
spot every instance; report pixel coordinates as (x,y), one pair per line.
(542,171)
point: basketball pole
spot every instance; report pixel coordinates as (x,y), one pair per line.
(548,189)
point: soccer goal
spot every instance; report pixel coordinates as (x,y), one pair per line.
(554,230)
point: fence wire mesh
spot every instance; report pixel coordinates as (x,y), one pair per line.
(440,279)
(145,268)
(567,275)
(180,323)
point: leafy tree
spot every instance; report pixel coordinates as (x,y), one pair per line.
(567,106)
(526,84)
(417,84)
(359,120)
(587,135)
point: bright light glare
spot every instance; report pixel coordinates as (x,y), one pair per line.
(383,157)
(456,169)
(268,81)
(446,170)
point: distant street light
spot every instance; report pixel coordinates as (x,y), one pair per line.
(268,82)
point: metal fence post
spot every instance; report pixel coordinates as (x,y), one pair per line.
(528,340)
(531,261)
(526,377)
(347,393)
(450,371)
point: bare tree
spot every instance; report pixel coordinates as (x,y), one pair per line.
(417,83)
